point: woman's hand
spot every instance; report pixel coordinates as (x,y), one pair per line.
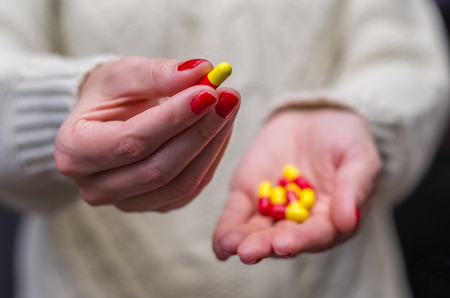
(335,151)
(124,148)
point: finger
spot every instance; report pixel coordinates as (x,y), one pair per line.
(314,235)
(160,168)
(186,185)
(137,77)
(354,183)
(236,223)
(106,145)
(230,241)
(205,181)
(257,245)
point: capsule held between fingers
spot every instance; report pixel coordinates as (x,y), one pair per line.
(217,76)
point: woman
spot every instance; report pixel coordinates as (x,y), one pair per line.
(346,90)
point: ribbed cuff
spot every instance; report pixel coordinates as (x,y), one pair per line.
(36,96)
(46,92)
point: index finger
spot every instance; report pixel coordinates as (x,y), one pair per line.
(94,146)
(237,221)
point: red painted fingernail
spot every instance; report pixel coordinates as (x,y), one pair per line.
(228,254)
(202,102)
(357,216)
(190,64)
(226,105)
(252,263)
(282,255)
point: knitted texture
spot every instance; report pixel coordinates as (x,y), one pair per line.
(383,59)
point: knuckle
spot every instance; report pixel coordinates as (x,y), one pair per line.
(175,122)
(186,187)
(66,165)
(131,146)
(65,162)
(154,72)
(203,133)
(205,181)
(93,198)
(153,173)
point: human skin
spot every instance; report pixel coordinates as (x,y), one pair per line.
(335,150)
(123,148)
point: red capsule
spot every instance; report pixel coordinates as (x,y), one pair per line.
(283,181)
(291,196)
(278,212)
(264,206)
(302,182)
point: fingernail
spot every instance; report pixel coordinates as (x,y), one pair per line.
(202,102)
(283,255)
(190,64)
(226,105)
(227,254)
(252,263)
(357,217)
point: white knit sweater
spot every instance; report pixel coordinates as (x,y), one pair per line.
(383,58)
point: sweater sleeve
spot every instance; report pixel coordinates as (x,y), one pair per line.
(38,89)
(393,70)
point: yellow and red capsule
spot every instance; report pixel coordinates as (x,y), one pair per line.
(293,192)
(294,175)
(296,211)
(293,211)
(307,197)
(217,76)
(264,206)
(291,199)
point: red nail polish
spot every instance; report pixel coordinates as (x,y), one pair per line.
(190,64)
(357,216)
(252,263)
(228,254)
(282,255)
(226,105)
(202,102)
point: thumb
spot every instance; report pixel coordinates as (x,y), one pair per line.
(354,183)
(139,78)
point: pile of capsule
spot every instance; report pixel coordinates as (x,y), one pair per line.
(291,199)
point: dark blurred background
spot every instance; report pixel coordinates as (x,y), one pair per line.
(422,221)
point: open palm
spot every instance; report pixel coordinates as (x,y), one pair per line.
(335,151)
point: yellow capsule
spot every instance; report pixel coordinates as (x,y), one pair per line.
(278,196)
(296,212)
(264,189)
(294,187)
(308,197)
(291,172)
(219,74)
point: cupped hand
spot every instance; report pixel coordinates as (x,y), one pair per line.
(123,147)
(335,151)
